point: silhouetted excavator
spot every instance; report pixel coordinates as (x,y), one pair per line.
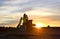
(24,19)
(26,23)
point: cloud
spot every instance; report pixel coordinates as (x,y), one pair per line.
(25,4)
(55,17)
(52,18)
(9,9)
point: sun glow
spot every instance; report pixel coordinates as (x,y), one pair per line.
(39,25)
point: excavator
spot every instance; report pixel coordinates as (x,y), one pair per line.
(25,23)
(24,19)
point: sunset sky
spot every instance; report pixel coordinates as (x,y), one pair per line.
(46,12)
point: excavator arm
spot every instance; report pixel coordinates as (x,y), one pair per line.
(19,23)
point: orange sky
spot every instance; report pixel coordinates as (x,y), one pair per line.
(46,12)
